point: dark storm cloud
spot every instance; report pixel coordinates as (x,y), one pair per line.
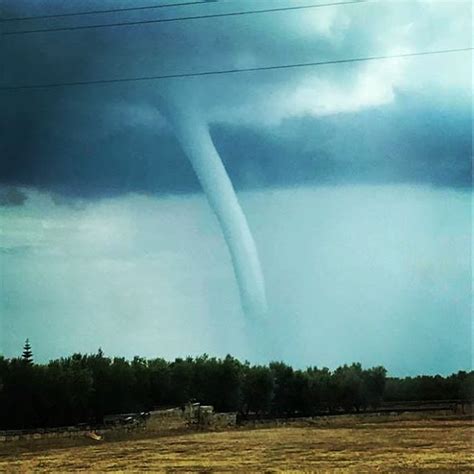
(422,142)
(108,140)
(12,197)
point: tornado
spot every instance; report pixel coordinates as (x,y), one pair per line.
(192,132)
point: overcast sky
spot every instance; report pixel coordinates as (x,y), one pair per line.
(355,178)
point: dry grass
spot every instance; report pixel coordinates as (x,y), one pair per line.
(363,447)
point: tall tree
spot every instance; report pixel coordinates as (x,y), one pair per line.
(27,355)
(258,386)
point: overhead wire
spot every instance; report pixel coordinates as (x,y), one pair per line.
(99,12)
(230,71)
(184,18)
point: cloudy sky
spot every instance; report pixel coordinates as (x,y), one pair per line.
(355,179)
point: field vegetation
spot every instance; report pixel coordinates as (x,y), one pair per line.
(355,446)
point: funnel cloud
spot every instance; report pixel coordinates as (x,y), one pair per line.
(192,132)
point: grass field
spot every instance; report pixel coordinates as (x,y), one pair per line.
(444,445)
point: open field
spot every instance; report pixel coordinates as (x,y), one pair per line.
(358,447)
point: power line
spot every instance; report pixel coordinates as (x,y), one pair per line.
(184,18)
(230,71)
(97,12)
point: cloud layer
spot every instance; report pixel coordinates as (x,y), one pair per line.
(113,139)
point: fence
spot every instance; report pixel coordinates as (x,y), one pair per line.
(157,421)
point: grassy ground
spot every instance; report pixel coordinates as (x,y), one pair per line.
(445,445)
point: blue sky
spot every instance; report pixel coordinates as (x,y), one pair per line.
(356,181)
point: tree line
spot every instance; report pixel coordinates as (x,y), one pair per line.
(84,388)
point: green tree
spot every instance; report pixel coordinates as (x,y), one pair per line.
(374,380)
(283,375)
(321,389)
(301,397)
(257,389)
(350,392)
(27,355)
